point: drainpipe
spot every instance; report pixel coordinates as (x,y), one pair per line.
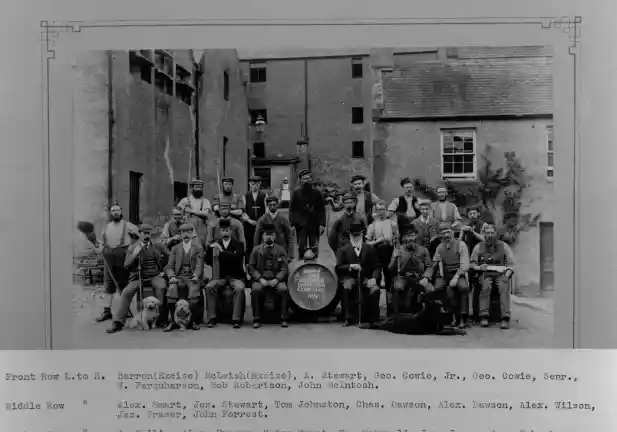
(197,79)
(110,127)
(306,133)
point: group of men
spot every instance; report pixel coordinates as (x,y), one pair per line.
(245,239)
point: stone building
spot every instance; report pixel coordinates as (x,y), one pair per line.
(139,135)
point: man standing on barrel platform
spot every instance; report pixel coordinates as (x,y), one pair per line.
(307,214)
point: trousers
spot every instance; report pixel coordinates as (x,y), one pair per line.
(261,294)
(486,286)
(351,301)
(224,289)
(159,286)
(457,296)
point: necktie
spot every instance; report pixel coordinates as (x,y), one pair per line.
(357,250)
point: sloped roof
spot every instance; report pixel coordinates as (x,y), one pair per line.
(470,87)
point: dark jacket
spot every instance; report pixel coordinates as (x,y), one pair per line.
(161,256)
(307,210)
(255,209)
(284,235)
(426,231)
(339,234)
(177,255)
(416,261)
(258,263)
(368,261)
(230,259)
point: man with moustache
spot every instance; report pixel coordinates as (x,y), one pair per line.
(284,233)
(146,263)
(364,199)
(452,259)
(185,271)
(197,209)
(427,227)
(339,234)
(214,230)
(231,274)
(171,230)
(445,211)
(383,234)
(472,232)
(228,196)
(255,208)
(405,206)
(307,214)
(495,253)
(412,265)
(115,239)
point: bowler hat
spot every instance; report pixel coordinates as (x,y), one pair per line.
(224,223)
(356,228)
(268,228)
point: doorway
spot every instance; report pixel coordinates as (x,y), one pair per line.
(547,256)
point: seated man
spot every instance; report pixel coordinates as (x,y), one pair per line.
(357,267)
(452,258)
(230,254)
(412,265)
(146,262)
(237,230)
(496,253)
(268,268)
(184,270)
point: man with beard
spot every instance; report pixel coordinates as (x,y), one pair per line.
(185,271)
(411,263)
(214,230)
(494,260)
(146,262)
(269,270)
(228,196)
(472,232)
(231,275)
(197,208)
(171,230)
(406,205)
(364,199)
(452,258)
(307,214)
(445,211)
(284,234)
(255,208)
(357,267)
(427,228)
(115,239)
(339,234)
(383,234)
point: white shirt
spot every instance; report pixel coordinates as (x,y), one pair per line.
(186,246)
(357,247)
(226,242)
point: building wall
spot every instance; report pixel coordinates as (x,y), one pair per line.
(413,149)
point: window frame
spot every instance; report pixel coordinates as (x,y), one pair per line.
(459,177)
(353,148)
(258,67)
(263,148)
(357,61)
(361,109)
(550,142)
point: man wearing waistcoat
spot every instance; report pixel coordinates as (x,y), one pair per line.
(364,199)
(255,208)
(338,237)
(358,270)
(452,260)
(146,262)
(406,205)
(115,239)
(427,227)
(214,231)
(231,276)
(383,235)
(445,211)
(196,208)
(493,252)
(228,196)
(284,233)
(171,231)
(269,271)
(307,214)
(185,270)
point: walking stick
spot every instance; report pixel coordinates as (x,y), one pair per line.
(360,296)
(140,302)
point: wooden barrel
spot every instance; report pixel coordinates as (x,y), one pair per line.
(313,288)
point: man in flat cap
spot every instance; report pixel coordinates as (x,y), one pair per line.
(284,233)
(365,199)
(444,210)
(197,208)
(228,196)
(405,206)
(307,214)
(452,260)
(185,271)
(146,263)
(338,236)
(269,270)
(230,255)
(171,231)
(255,208)
(214,231)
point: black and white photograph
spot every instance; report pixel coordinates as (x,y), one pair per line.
(313,198)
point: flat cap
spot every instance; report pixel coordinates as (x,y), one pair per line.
(223,205)
(186,227)
(475,207)
(349,196)
(407,228)
(303,173)
(197,182)
(145,228)
(358,177)
(444,226)
(227,179)
(254,178)
(272,198)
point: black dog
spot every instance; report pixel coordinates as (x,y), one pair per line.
(427,318)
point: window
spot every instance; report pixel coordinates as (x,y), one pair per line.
(256,113)
(259,150)
(258,72)
(356,67)
(225,155)
(184,86)
(458,153)
(181,190)
(550,152)
(135,179)
(357,149)
(357,115)
(266,177)
(164,71)
(140,65)
(226,85)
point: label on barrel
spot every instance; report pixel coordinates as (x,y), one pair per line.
(312,287)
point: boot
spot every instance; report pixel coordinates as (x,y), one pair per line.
(484,322)
(505,325)
(463,323)
(115,327)
(105,315)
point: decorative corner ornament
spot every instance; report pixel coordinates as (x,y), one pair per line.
(571,25)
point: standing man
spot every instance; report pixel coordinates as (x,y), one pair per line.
(214,230)
(146,263)
(231,255)
(255,208)
(472,232)
(196,208)
(383,235)
(115,239)
(364,199)
(307,214)
(284,234)
(495,253)
(228,196)
(427,227)
(171,231)
(445,211)
(405,206)
(339,234)
(452,258)
(357,267)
